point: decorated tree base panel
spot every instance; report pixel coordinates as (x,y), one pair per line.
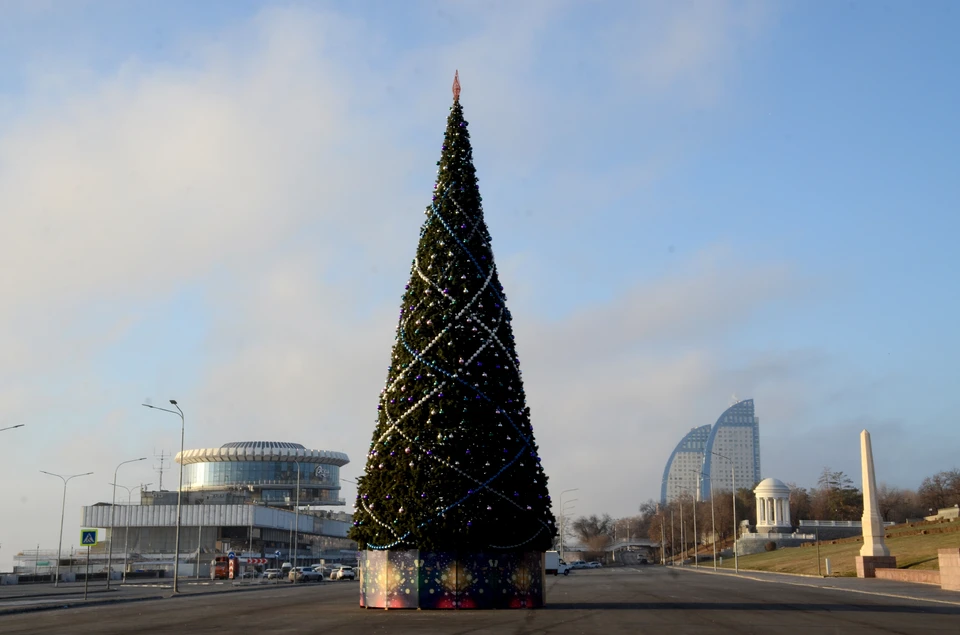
(451,580)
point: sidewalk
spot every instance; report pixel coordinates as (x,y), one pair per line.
(871,586)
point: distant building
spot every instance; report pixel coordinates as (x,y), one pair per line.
(679,475)
(240,497)
(735,435)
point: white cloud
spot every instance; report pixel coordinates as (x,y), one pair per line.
(276,175)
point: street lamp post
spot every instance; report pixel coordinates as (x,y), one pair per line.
(126,527)
(696,536)
(663,549)
(113,514)
(683,543)
(176,548)
(713,516)
(19,425)
(733,486)
(575,489)
(713,525)
(296,523)
(63,507)
(673,542)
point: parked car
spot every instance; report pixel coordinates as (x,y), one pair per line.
(272,574)
(578,564)
(305,574)
(343,572)
(594,565)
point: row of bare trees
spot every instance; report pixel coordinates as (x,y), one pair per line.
(835,497)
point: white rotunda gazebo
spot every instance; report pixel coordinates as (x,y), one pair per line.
(773,506)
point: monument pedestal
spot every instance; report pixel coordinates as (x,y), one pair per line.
(949,568)
(867,565)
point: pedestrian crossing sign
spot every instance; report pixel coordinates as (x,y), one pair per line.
(88,537)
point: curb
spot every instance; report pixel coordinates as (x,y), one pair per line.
(184,596)
(728,571)
(31,596)
(74,604)
(54,606)
(829,588)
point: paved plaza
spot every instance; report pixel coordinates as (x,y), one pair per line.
(648,599)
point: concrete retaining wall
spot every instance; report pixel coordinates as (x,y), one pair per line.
(909,575)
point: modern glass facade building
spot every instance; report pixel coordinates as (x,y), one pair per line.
(679,475)
(735,435)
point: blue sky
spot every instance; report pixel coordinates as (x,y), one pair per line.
(218,202)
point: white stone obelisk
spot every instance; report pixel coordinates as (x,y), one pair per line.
(874,553)
(873,533)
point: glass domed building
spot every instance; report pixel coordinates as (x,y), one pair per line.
(264,472)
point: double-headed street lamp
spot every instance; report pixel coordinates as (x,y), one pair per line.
(575,489)
(126,528)
(63,507)
(113,515)
(176,548)
(733,486)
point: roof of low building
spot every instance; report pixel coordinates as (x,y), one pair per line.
(262,451)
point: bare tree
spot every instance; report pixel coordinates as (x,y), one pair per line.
(801,505)
(722,507)
(897,504)
(940,490)
(594,533)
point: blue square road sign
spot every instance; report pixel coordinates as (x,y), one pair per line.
(88,537)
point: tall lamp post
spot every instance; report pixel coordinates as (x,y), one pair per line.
(296,523)
(176,548)
(673,542)
(696,536)
(19,425)
(113,514)
(575,489)
(713,517)
(683,542)
(733,486)
(63,507)
(126,527)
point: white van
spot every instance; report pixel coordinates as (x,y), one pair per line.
(554,564)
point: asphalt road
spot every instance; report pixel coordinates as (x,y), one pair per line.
(616,600)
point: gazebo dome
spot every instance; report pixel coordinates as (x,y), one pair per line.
(770,486)
(773,505)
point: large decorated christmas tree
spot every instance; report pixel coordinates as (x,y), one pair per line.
(453,466)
